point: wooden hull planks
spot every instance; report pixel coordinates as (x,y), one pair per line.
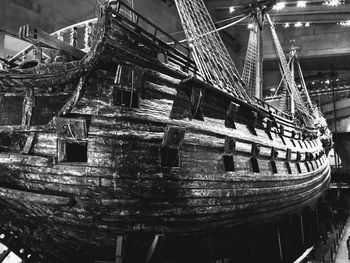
(134,145)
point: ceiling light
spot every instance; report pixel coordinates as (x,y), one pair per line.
(273,89)
(332,2)
(298,24)
(286,25)
(307,24)
(327,81)
(345,23)
(279,6)
(232,9)
(301,4)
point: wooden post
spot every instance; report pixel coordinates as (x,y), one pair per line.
(292,104)
(279,243)
(259,64)
(119,250)
(208,246)
(317,221)
(157,239)
(252,253)
(2,44)
(302,229)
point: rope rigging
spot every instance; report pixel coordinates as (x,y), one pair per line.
(251,61)
(216,65)
(292,88)
(209,51)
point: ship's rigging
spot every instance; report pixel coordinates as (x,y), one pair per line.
(302,105)
(250,69)
(214,62)
(209,51)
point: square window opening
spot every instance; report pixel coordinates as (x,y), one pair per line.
(255,165)
(170,157)
(76,152)
(126,98)
(229,163)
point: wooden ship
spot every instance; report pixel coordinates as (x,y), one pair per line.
(133,135)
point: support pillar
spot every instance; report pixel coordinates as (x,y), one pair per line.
(2,44)
(119,249)
(302,230)
(157,242)
(279,243)
(253,250)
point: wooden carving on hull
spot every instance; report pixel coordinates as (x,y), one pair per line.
(120,143)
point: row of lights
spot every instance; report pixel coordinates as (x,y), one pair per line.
(297,24)
(286,25)
(279,6)
(327,82)
(302,4)
(345,23)
(306,24)
(334,2)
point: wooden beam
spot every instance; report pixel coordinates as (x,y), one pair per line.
(2,44)
(279,243)
(119,249)
(253,244)
(302,230)
(37,36)
(151,251)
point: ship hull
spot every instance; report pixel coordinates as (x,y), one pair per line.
(160,153)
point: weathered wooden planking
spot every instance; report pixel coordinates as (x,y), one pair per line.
(122,187)
(34,197)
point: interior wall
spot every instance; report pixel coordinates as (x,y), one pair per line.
(316,40)
(52,15)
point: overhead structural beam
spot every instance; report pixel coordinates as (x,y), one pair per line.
(312,13)
(226,4)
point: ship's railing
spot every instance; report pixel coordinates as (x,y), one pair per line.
(79,35)
(176,52)
(272,109)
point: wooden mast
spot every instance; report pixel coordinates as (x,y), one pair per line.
(259,64)
(292,56)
